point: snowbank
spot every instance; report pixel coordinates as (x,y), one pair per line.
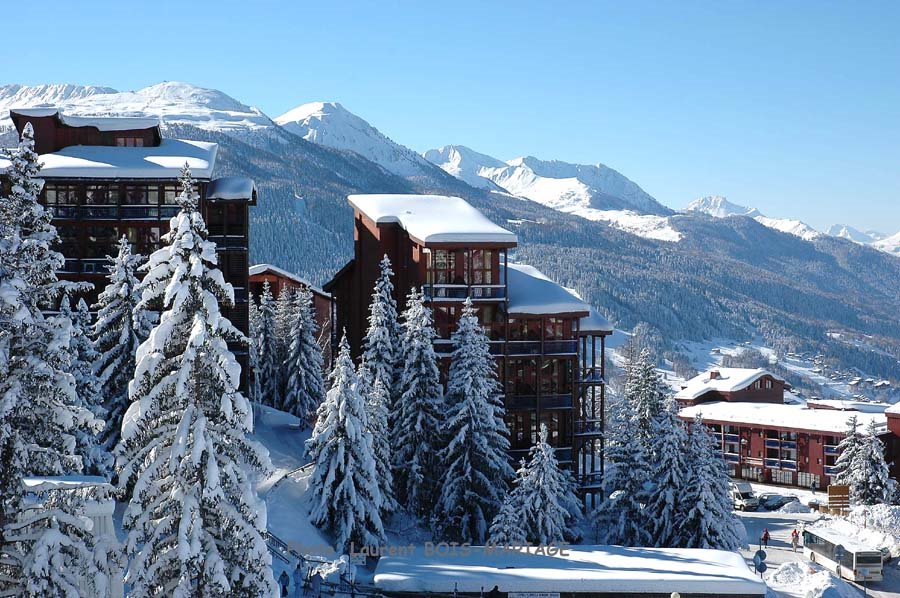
(810,581)
(876,526)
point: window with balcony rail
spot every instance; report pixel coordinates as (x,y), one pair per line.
(556,377)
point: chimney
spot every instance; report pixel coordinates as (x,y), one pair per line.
(714,375)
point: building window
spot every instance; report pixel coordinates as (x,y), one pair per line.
(123,141)
(482,266)
(522,379)
(554,329)
(443,267)
(101,241)
(768,384)
(521,329)
(556,377)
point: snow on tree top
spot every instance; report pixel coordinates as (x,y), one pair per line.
(231,188)
(101,123)
(728,380)
(785,416)
(606,569)
(433,218)
(99,161)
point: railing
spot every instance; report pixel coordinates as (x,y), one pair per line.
(732,457)
(98,212)
(530,401)
(229,241)
(461,291)
(733,438)
(773,443)
(590,480)
(789,445)
(788,464)
(591,376)
(832,450)
(560,347)
(63,212)
(588,427)
(139,212)
(831,470)
(524,347)
(443,346)
(773,463)
(94,266)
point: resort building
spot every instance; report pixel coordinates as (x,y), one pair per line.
(106,178)
(548,342)
(764,440)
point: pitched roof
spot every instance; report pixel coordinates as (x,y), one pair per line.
(433,218)
(101,123)
(231,188)
(263,268)
(729,380)
(798,417)
(532,293)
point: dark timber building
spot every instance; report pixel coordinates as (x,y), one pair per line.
(106,178)
(548,342)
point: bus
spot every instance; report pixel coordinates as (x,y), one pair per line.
(857,563)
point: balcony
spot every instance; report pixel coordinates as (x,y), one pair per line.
(789,464)
(444,347)
(566,347)
(773,443)
(832,450)
(98,212)
(591,427)
(461,291)
(831,470)
(732,457)
(555,401)
(63,212)
(733,438)
(523,347)
(773,463)
(591,480)
(790,445)
(229,241)
(139,212)
(591,376)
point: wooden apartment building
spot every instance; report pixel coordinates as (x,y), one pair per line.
(549,343)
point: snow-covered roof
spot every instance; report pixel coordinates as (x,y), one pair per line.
(532,293)
(101,123)
(606,569)
(231,188)
(728,380)
(776,415)
(433,218)
(595,323)
(893,409)
(99,161)
(844,405)
(263,268)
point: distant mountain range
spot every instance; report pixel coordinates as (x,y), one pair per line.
(687,274)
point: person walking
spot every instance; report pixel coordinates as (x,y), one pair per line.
(764,538)
(795,539)
(284,581)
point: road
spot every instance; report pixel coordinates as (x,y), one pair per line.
(779,551)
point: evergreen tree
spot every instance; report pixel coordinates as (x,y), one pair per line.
(284,323)
(94,457)
(848,448)
(118,331)
(254,391)
(547,496)
(871,484)
(620,517)
(665,508)
(268,350)
(346,499)
(194,521)
(508,526)
(709,521)
(474,465)
(377,374)
(418,417)
(305,388)
(646,393)
(39,408)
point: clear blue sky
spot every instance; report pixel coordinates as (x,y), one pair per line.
(793,107)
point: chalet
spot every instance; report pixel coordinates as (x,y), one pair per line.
(765,440)
(733,384)
(548,342)
(279,280)
(107,177)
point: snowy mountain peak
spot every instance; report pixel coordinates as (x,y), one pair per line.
(844,231)
(171,101)
(718,206)
(466,164)
(332,125)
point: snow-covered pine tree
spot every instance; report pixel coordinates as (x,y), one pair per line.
(508,526)
(377,376)
(305,388)
(418,417)
(194,521)
(39,409)
(267,350)
(848,448)
(547,495)
(347,502)
(474,466)
(708,521)
(871,484)
(665,508)
(620,517)
(254,392)
(646,393)
(118,331)
(96,460)
(284,322)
